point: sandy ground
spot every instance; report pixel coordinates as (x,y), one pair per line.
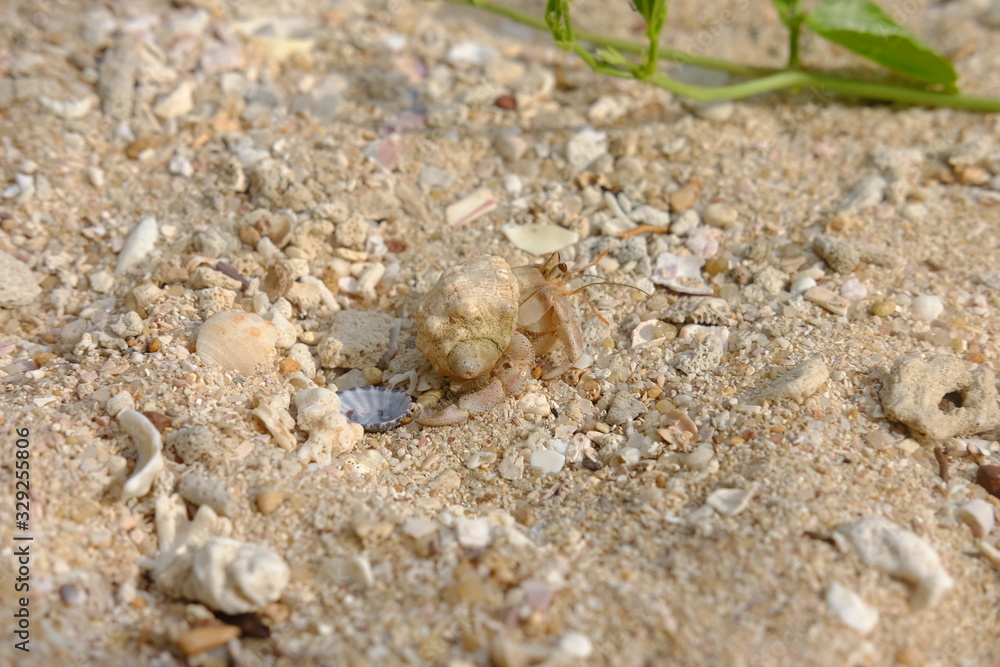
(306,145)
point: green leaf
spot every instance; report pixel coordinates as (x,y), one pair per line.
(557,18)
(862,27)
(655,13)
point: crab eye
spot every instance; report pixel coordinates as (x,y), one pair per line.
(563,267)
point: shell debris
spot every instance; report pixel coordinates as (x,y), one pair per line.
(237,341)
(539,239)
(149,444)
(377,409)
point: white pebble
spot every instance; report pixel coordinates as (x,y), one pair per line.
(927,308)
(802,284)
(512,184)
(586,146)
(548,460)
(19,286)
(850,608)
(576,645)
(473,533)
(978,514)
(180,166)
(138,244)
(479,459)
(853,289)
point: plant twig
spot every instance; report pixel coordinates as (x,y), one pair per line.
(762,79)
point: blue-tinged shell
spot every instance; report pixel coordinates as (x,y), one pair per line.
(377,409)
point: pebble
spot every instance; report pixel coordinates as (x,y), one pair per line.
(842,256)
(511,467)
(979,516)
(138,244)
(473,533)
(988,477)
(900,554)
(180,166)
(586,146)
(198,640)
(850,608)
(548,461)
(867,193)
(576,645)
(269,499)
(799,383)
(480,459)
(607,109)
(884,308)
(927,308)
(721,215)
(201,490)
(704,357)
(356,339)
(19,286)
(687,221)
(853,289)
(470,53)
(116,83)
(352,571)
(510,147)
(623,409)
(914,389)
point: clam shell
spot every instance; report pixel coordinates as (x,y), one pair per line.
(237,341)
(377,409)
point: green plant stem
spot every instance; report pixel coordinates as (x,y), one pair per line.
(763,79)
(794,22)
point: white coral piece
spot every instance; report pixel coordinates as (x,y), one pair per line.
(150,446)
(330,432)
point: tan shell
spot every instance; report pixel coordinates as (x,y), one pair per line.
(464,323)
(237,341)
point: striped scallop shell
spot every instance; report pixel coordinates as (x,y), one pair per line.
(377,409)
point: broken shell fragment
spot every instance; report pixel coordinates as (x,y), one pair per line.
(681,273)
(467,209)
(377,409)
(539,239)
(330,433)
(149,443)
(237,341)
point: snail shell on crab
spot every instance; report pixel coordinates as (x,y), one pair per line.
(377,409)
(465,322)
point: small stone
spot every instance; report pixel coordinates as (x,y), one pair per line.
(199,640)
(850,608)
(799,383)
(269,499)
(623,409)
(176,103)
(586,146)
(721,215)
(473,533)
(979,516)
(842,256)
(511,147)
(683,198)
(353,571)
(512,466)
(480,459)
(884,308)
(19,286)
(138,244)
(730,501)
(927,308)
(548,461)
(988,477)
(506,102)
(576,645)
(865,194)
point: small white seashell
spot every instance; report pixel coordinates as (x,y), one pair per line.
(681,274)
(730,501)
(539,239)
(138,244)
(473,533)
(377,409)
(927,308)
(150,447)
(465,210)
(850,608)
(70,109)
(353,571)
(237,341)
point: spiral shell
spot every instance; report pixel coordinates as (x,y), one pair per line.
(465,322)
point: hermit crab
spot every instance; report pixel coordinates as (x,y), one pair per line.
(484,323)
